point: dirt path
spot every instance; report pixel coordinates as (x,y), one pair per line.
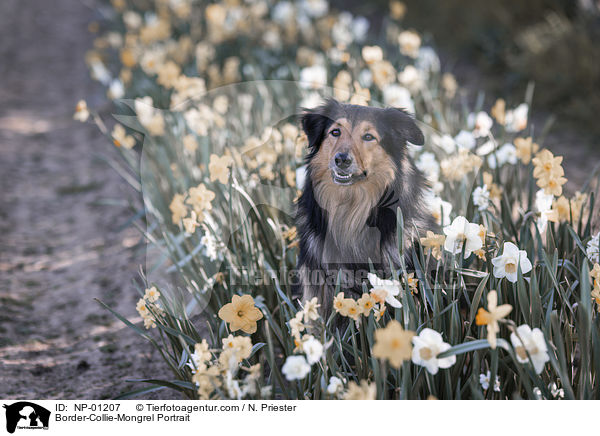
(59,248)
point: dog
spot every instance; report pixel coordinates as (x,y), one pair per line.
(358,173)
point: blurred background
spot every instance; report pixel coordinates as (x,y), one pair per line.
(501,46)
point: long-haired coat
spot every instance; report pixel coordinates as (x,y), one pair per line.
(358,174)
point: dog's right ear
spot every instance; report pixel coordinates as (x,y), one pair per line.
(315,122)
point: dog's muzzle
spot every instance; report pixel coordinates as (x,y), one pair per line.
(344,170)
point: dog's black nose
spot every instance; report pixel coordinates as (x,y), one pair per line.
(343,160)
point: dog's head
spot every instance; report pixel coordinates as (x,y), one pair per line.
(351,145)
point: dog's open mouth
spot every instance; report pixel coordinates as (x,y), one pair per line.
(341,178)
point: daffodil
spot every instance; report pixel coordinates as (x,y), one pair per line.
(426,347)
(189,143)
(295,368)
(151,295)
(385,290)
(461,233)
(491,316)
(409,42)
(525,149)
(177,208)
(296,324)
(241,314)
(507,264)
(335,385)
(484,380)
(81,111)
(481,123)
(393,343)
(190,223)
(312,348)
(310,310)
(366,302)
(530,342)
(200,198)
(364,391)
(433,243)
(121,138)
(549,172)
(240,345)
(339,304)
(219,168)
(498,111)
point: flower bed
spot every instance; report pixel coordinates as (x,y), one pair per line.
(209,94)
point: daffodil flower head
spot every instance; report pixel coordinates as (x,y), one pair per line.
(491,316)
(508,263)
(385,290)
(461,233)
(241,314)
(426,347)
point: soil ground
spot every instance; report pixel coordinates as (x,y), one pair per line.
(60,246)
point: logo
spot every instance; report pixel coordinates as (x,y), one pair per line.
(26,415)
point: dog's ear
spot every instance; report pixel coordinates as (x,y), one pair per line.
(315,122)
(400,121)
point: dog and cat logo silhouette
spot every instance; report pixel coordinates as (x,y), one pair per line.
(26,415)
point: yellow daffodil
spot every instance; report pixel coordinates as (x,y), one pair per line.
(595,274)
(200,198)
(525,149)
(433,243)
(121,138)
(241,314)
(393,343)
(151,294)
(499,111)
(219,168)
(364,391)
(491,316)
(339,304)
(191,223)
(310,310)
(366,303)
(177,208)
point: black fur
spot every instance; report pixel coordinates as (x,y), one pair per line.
(396,127)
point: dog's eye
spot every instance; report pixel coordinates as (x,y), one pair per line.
(335,132)
(368,137)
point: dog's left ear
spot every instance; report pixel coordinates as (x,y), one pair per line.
(400,121)
(315,122)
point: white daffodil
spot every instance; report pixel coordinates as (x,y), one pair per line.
(398,96)
(481,123)
(465,139)
(426,347)
(484,379)
(335,385)
(543,205)
(505,154)
(481,197)
(313,77)
(462,233)
(295,368)
(516,119)
(439,208)
(532,342)
(313,349)
(445,142)
(506,264)
(390,287)
(592,250)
